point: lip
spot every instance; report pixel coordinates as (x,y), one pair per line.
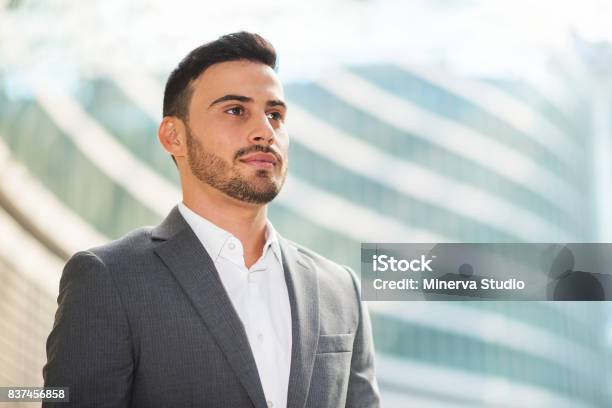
(260,160)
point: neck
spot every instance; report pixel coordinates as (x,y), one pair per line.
(245,221)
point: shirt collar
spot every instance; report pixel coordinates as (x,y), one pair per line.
(213,238)
(272,241)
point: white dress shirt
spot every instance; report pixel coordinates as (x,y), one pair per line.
(259,296)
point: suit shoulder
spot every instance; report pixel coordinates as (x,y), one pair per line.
(315,256)
(331,270)
(132,244)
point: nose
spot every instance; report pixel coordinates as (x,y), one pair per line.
(262,132)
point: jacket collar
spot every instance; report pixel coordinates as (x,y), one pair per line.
(170,226)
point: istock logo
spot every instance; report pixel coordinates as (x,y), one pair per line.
(383,263)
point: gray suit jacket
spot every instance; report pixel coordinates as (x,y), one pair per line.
(145,322)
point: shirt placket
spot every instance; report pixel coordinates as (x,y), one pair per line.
(263,334)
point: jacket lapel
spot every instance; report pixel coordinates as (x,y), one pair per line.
(193,268)
(303,289)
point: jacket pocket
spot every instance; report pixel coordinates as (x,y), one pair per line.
(335,343)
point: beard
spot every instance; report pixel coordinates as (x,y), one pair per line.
(261,188)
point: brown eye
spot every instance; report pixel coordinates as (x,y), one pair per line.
(236,111)
(275,116)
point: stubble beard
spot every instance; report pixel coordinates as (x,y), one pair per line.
(225,177)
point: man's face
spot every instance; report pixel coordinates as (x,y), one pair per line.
(236,136)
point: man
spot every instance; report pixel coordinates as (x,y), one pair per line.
(212,308)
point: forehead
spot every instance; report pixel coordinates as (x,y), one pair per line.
(246,78)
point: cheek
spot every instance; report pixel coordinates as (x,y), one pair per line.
(221,139)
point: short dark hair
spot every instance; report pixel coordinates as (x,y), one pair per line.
(230,47)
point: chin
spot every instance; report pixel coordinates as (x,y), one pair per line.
(269,188)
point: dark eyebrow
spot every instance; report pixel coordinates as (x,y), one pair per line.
(276,102)
(246,99)
(231,97)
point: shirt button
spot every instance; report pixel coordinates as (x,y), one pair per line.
(270,404)
(260,338)
(232,246)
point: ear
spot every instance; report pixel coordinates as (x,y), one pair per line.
(171,135)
